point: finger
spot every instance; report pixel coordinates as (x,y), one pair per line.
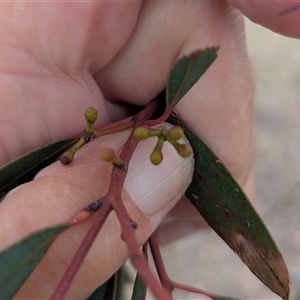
(64,38)
(184,219)
(280,16)
(59,192)
(140,70)
(219,108)
(49,53)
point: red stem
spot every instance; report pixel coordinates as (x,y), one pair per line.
(128,226)
(159,263)
(162,118)
(84,247)
(138,259)
(163,275)
(192,289)
(115,127)
(113,200)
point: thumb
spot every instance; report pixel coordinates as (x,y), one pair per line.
(58,192)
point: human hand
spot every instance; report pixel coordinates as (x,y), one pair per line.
(60,58)
(281,17)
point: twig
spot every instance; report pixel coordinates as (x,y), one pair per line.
(113,200)
(84,247)
(196,290)
(160,267)
(115,127)
(128,225)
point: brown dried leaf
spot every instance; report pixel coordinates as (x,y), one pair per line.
(266,265)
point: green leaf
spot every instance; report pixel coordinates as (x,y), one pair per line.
(108,290)
(24,168)
(225,207)
(218,297)
(112,289)
(18,261)
(186,72)
(139,289)
(99,292)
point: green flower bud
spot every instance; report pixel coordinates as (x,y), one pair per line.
(141,133)
(108,154)
(184,150)
(91,115)
(156,157)
(176,133)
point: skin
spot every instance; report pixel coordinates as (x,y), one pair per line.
(57,59)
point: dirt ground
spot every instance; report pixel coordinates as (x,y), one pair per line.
(202,259)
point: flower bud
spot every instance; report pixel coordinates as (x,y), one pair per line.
(176,133)
(141,133)
(108,154)
(184,150)
(91,115)
(156,157)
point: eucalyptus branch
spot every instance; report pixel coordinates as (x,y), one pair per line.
(83,249)
(164,277)
(242,229)
(115,127)
(159,263)
(89,133)
(195,290)
(113,200)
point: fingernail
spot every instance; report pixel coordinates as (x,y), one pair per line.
(152,187)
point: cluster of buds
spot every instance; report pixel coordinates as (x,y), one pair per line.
(91,116)
(172,135)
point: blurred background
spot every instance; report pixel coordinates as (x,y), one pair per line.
(202,259)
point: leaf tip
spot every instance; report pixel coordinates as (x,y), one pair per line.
(268,266)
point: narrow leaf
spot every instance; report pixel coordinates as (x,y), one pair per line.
(139,289)
(108,290)
(24,168)
(225,207)
(218,297)
(187,72)
(99,292)
(112,289)
(18,261)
